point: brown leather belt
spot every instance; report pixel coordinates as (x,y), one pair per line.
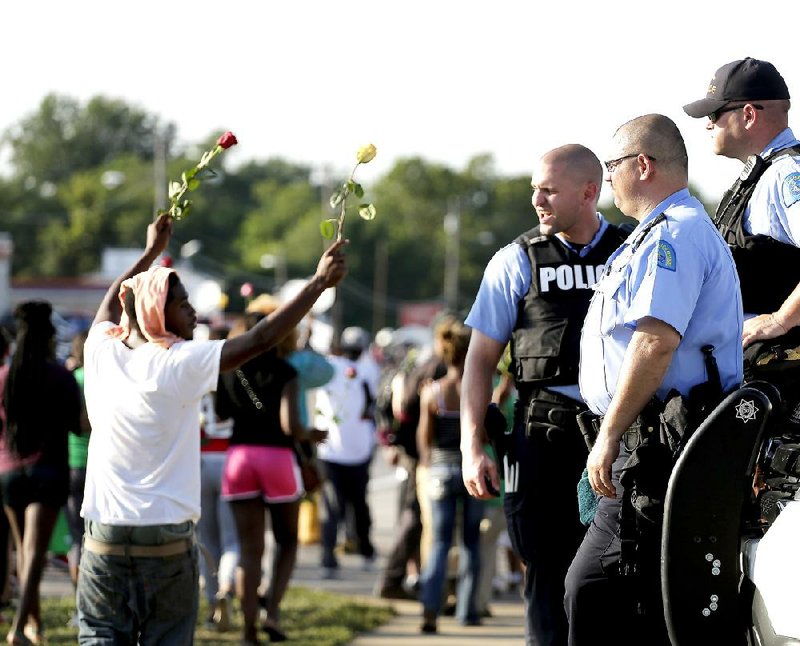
(137,551)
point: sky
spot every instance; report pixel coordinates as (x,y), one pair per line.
(445,81)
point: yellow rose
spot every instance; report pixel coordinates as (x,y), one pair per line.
(366,154)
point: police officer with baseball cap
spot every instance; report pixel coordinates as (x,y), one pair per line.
(747,105)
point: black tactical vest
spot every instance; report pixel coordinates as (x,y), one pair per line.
(545,343)
(768,270)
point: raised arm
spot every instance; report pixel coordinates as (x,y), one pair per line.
(270,330)
(476,391)
(158,235)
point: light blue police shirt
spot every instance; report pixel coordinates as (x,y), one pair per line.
(505,282)
(774,207)
(683,274)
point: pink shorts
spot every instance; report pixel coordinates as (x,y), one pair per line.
(270,472)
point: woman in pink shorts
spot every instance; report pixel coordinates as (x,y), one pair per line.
(261,470)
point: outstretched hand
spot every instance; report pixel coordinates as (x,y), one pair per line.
(159,233)
(331,267)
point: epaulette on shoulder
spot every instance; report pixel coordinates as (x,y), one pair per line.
(531,237)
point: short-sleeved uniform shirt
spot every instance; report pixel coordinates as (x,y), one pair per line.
(505,282)
(144,409)
(774,207)
(682,273)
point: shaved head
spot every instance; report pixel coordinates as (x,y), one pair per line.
(657,136)
(576,162)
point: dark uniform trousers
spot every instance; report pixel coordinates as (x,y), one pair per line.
(601,605)
(543,469)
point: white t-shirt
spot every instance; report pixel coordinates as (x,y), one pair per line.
(341,404)
(144,408)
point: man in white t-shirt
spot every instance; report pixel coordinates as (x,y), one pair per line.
(145,378)
(345,410)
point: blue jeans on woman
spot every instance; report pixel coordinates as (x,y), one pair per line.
(447,493)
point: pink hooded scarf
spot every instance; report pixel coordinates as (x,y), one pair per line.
(150,291)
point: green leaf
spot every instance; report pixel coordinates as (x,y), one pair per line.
(327,228)
(185,209)
(205,173)
(336,198)
(367,211)
(358,190)
(193,184)
(350,186)
(174,189)
(189,174)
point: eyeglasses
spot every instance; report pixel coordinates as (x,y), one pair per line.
(611,166)
(730,108)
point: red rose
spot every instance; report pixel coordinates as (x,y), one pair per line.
(227,140)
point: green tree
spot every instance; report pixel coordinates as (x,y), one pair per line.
(64,136)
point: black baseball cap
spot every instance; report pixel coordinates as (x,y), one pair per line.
(745,80)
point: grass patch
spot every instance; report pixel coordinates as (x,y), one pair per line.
(308,617)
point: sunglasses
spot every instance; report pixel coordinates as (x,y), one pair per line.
(730,108)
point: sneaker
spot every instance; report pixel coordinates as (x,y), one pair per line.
(368,563)
(395,592)
(428,623)
(471,621)
(329,573)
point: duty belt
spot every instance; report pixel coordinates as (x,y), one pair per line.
(644,424)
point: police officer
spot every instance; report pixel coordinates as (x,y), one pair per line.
(535,293)
(747,105)
(669,290)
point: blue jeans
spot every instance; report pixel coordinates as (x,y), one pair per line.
(446,491)
(147,601)
(216,529)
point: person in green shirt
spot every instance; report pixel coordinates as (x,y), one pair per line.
(78,451)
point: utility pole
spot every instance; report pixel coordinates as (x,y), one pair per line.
(159,172)
(379,285)
(452,230)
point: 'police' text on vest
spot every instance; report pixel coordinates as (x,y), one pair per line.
(568,277)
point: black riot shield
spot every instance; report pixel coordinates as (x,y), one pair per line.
(708,491)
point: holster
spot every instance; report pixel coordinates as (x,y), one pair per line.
(552,414)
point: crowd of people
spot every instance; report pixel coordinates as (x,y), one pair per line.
(579,334)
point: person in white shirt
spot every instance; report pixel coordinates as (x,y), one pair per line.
(144,380)
(345,409)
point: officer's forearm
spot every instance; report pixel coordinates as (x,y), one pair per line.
(647,360)
(476,389)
